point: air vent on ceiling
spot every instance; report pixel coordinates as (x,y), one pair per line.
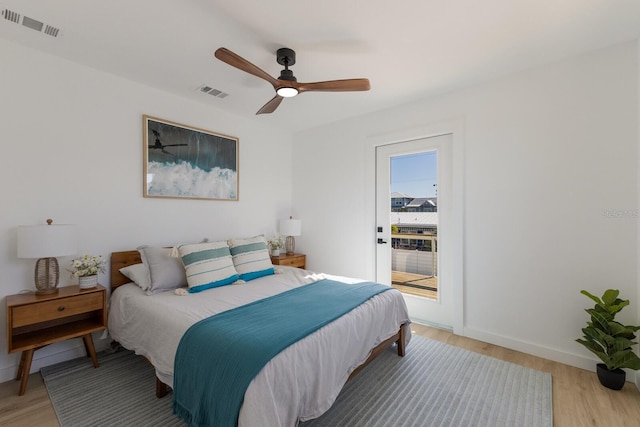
(11,16)
(213,92)
(31,23)
(51,31)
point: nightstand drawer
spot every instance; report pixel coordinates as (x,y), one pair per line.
(56,309)
(295,260)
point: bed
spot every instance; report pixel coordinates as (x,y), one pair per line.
(301,382)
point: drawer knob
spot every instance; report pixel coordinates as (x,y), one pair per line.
(61,308)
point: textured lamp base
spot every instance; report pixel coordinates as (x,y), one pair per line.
(290,245)
(47,275)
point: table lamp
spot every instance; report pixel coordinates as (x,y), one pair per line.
(45,242)
(290,228)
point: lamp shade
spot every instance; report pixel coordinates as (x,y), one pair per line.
(44,241)
(290,227)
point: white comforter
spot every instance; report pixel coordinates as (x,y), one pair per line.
(299,384)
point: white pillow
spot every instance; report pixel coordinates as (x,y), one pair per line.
(251,257)
(138,274)
(165,272)
(207,265)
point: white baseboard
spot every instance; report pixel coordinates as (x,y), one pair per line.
(65,352)
(533,349)
(522,346)
(431,324)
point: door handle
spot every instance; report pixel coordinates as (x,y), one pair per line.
(381,242)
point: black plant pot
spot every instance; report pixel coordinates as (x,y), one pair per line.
(611,379)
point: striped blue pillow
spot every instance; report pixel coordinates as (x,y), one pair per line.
(207,265)
(251,257)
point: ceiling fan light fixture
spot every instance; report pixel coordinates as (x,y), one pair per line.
(287,92)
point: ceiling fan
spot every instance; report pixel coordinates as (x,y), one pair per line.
(287,85)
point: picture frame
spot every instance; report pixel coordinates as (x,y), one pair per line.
(186,162)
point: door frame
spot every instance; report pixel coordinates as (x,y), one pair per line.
(438,312)
(456,129)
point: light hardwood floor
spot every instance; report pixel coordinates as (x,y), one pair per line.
(578,398)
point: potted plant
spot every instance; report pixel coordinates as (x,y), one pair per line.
(86,269)
(610,340)
(275,244)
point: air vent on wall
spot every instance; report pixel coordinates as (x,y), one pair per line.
(213,92)
(31,23)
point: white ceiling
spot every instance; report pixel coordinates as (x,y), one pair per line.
(409,49)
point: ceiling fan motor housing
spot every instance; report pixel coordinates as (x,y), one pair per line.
(287,75)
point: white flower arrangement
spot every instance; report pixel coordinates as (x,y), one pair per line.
(87,265)
(275,243)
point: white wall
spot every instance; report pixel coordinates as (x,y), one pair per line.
(71,149)
(550,161)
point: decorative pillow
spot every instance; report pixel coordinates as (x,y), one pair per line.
(208,265)
(165,272)
(138,274)
(251,257)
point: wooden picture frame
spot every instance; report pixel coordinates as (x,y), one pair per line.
(185,162)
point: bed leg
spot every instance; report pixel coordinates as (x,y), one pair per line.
(400,341)
(161,389)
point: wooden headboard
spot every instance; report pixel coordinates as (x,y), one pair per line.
(118,261)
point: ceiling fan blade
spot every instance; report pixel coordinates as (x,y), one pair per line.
(271,106)
(347,85)
(235,60)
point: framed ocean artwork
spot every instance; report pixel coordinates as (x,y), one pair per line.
(186,162)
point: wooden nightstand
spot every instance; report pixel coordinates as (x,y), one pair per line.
(34,321)
(295,260)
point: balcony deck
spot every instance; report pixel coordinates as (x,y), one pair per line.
(415,284)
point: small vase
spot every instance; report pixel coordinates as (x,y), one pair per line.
(611,379)
(87,282)
(275,252)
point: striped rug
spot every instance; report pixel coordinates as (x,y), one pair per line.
(119,393)
(435,384)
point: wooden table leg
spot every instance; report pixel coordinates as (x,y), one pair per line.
(21,366)
(25,367)
(88,343)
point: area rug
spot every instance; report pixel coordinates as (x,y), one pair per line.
(435,384)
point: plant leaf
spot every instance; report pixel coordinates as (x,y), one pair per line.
(621,344)
(609,296)
(617,305)
(597,351)
(620,330)
(593,297)
(625,359)
(601,320)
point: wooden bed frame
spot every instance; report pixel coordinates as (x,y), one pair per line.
(126,258)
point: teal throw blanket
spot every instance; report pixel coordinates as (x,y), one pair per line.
(218,357)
